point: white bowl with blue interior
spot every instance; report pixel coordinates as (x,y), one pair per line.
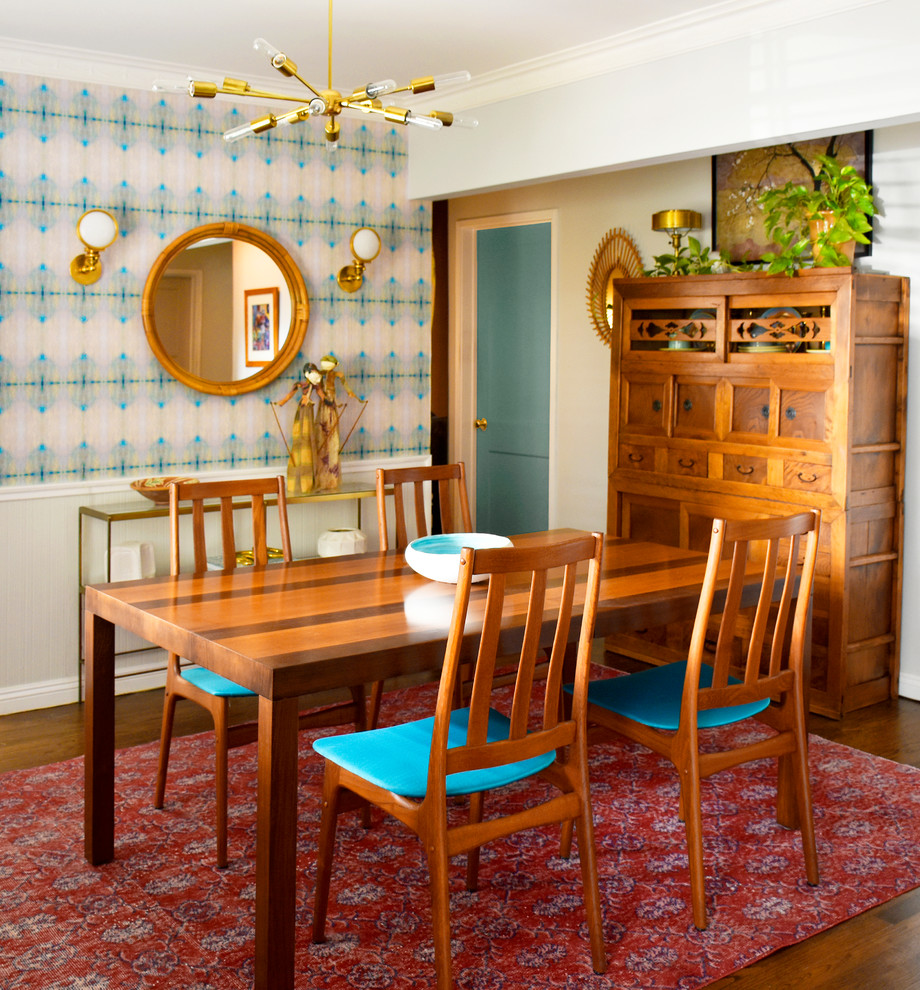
(438,557)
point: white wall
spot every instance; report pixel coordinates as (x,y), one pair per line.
(586,209)
(826,70)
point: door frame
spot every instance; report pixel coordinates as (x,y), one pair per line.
(462,342)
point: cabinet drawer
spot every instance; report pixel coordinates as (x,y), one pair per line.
(689,463)
(741,467)
(637,456)
(807,477)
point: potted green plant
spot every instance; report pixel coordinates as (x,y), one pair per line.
(824,221)
(691,260)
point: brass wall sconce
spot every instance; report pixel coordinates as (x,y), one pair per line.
(676,223)
(365,246)
(97,229)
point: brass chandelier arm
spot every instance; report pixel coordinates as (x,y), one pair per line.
(208,90)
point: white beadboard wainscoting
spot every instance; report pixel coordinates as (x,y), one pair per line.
(40,604)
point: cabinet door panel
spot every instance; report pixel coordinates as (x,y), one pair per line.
(802,415)
(656,520)
(695,409)
(645,405)
(750,409)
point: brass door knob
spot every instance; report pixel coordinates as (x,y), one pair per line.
(481,424)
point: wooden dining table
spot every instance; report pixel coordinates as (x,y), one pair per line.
(286,630)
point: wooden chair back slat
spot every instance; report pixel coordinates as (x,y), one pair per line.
(771,646)
(231,496)
(550,600)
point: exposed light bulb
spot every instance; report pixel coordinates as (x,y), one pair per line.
(170,86)
(447,78)
(267,48)
(469,122)
(375,89)
(238,133)
(432,123)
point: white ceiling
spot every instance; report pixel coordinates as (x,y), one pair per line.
(399,39)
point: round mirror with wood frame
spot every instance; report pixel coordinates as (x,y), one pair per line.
(616,257)
(274,350)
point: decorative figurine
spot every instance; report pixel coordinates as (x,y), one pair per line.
(313,454)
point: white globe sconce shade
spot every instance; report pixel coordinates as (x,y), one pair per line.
(97,229)
(365,246)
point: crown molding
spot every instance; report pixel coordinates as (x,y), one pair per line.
(709,26)
(719,23)
(105,69)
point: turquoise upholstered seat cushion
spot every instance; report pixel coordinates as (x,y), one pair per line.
(396,756)
(214,684)
(653,696)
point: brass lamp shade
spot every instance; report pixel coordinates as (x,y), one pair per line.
(677,223)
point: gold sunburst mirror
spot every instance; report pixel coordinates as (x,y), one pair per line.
(616,257)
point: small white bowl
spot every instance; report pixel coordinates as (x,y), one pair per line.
(438,557)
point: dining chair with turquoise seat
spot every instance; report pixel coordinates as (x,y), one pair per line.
(671,707)
(415,487)
(207,689)
(413,770)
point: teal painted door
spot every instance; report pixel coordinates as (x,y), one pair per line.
(513,372)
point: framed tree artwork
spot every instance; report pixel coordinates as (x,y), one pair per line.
(261,314)
(739,178)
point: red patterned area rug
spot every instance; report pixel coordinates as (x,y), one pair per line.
(161,915)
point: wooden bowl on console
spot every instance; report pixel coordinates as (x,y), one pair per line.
(157,489)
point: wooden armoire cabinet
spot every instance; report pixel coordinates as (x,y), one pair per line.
(752,394)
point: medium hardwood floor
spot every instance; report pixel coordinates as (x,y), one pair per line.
(879,949)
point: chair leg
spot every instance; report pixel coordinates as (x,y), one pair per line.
(806,813)
(169,710)
(359,700)
(472,857)
(565,840)
(221,751)
(587,856)
(436,847)
(325,850)
(693,823)
(373,713)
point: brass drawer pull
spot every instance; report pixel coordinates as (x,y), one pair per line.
(808,481)
(742,470)
(685,463)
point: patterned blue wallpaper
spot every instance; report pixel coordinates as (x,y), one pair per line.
(81,395)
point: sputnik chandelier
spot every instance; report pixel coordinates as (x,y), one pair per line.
(327,102)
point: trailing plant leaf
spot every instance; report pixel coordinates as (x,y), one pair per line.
(839,190)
